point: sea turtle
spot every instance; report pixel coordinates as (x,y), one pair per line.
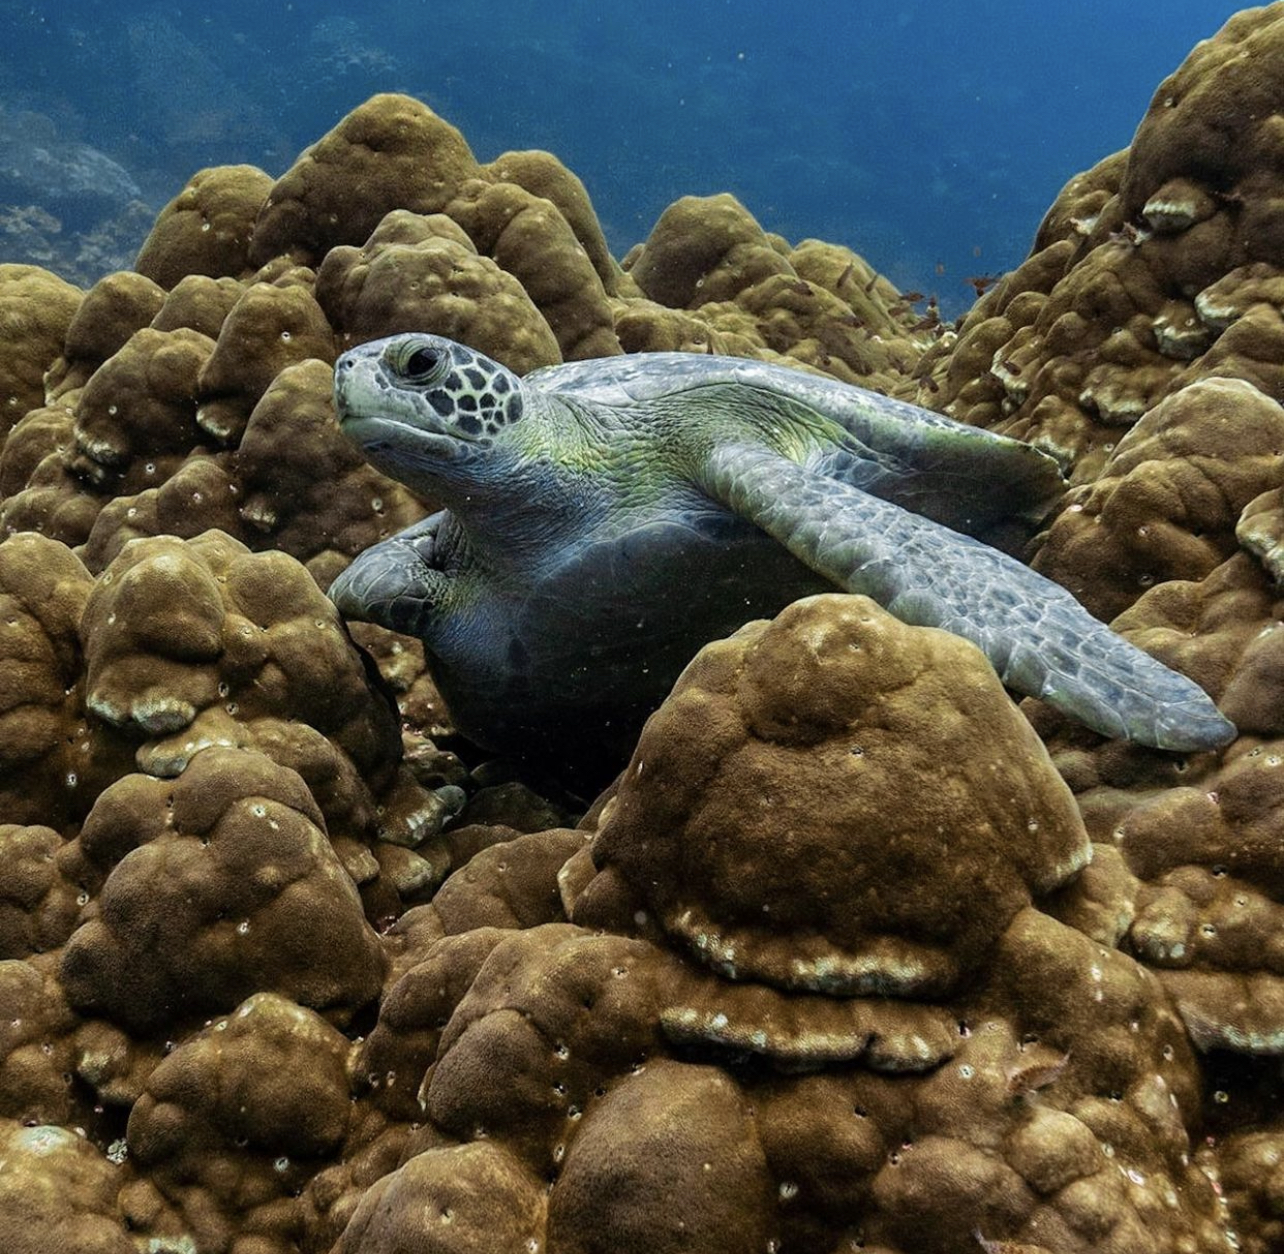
(606,518)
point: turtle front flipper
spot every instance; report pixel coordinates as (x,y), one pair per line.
(396,583)
(1037,636)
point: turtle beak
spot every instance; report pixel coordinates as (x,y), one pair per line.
(342,373)
(347,376)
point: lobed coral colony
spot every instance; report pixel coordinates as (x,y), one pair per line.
(856,954)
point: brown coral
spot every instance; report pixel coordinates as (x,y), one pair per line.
(201,495)
(45,432)
(682,1132)
(39,906)
(509,884)
(1169,496)
(113,309)
(531,240)
(568,1051)
(469,1197)
(390,153)
(233,1122)
(836,688)
(1222,631)
(198,303)
(248,653)
(139,405)
(134,417)
(1142,265)
(1182,174)
(58,1191)
(179,630)
(206,228)
(543,175)
(51,760)
(1249,1171)
(37,1049)
(217,884)
(36,308)
(1201,901)
(424,273)
(827,968)
(816,305)
(271,326)
(704,249)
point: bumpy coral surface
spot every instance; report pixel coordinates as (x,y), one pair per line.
(855,710)
(856,953)
(628,1055)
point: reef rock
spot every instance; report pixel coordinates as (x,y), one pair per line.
(747,1013)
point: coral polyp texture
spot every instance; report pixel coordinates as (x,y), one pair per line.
(856,952)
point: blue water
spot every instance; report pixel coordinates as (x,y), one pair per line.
(929,136)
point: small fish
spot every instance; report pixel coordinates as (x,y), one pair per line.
(983,282)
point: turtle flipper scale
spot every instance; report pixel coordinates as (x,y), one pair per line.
(395,584)
(1040,640)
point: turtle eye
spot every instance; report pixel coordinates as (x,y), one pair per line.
(421,364)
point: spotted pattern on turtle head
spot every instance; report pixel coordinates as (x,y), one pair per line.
(478,396)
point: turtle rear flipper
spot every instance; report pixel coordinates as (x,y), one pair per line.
(951,489)
(933,465)
(1039,639)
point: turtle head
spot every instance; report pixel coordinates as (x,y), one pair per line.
(422,403)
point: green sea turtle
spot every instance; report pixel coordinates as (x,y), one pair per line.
(606,518)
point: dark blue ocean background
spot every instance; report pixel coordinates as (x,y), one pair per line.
(929,136)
